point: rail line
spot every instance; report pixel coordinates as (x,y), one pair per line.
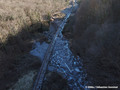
(41,74)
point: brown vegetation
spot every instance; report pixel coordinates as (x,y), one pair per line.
(96,38)
(15,14)
(21,22)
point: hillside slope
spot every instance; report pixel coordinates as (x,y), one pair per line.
(22,22)
(94,33)
(96,39)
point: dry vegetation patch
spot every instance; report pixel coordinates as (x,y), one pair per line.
(21,22)
(15,14)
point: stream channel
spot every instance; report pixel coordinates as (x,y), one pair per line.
(62,60)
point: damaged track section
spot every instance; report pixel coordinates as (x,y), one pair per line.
(41,74)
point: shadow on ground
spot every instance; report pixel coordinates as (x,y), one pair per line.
(15,59)
(54,83)
(95,37)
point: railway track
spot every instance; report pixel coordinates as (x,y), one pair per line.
(41,74)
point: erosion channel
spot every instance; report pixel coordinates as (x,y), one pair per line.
(61,60)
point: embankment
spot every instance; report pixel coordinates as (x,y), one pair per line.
(96,39)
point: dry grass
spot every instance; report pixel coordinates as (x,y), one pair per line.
(15,14)
(21,22)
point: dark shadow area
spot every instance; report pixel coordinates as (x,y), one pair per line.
(54,81)
(96,38)
(15,59)
(69,27)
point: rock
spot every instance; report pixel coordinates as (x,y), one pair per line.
(77,69)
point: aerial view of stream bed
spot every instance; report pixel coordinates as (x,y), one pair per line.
(62,64)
